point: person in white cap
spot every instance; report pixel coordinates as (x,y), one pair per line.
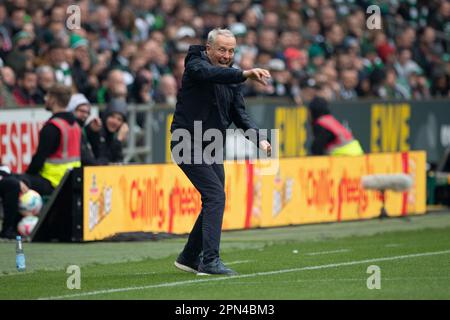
(80,106)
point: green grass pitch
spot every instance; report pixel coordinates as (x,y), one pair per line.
(327,261)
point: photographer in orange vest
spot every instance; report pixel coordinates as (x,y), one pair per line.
(330,136)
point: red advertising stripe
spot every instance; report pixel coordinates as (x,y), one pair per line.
(248,213)
(405,162)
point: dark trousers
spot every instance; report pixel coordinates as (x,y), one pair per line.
(9,193)
(209,180)
(37,183)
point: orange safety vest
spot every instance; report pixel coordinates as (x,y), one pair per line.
(342,135)
(67,156)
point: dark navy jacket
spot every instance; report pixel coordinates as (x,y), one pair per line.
(210,94)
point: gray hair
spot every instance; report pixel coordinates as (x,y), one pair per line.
(212,35)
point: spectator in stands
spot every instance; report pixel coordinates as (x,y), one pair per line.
(330,137)
(418,85)
(440,83)
(9,77)
(25,91)
(281,83)
(80,106)
(17,20)
(123,57)
(114,87)
(296,61)
(349,82)
(184,37)
(6,98)
(5,36)
(59,144)
(167,92)
(316,58)
(391,88)
(406,38)
(142,92)
(334,39)
(109,39)
(293,21)
(126,27)
(108,144)
(267,41)
(82,65)
(155,35)
(58,61)
(404,65)
(327,16)
(364,89)
(429,52)
(142,89)
(45,80)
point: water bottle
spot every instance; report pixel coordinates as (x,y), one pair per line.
(20,256)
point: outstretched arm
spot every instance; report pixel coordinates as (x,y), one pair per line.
(202,70)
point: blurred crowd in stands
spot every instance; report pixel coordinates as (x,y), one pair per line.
(134,50)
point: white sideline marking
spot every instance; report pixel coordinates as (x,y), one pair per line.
(13,274)
(336,280)
(237,262)
(180,283)
(326,252)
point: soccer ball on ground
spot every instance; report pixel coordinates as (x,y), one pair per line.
(30,203)
(26,225)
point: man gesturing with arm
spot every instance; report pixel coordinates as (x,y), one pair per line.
(210,94)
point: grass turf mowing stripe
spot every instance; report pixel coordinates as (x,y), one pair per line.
(180,283)
(326,252)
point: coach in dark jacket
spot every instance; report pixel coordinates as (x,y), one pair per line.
(210,95)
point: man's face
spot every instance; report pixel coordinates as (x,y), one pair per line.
(9,76)
(116,84)
(57,55)
(350,79)
(268,40)
(82,112)
(221,53)
(46,80)
(29,83)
